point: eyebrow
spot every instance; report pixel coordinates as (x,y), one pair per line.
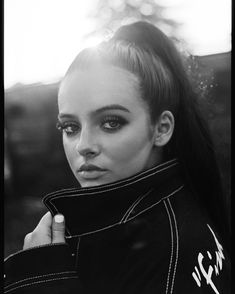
(111,107)
(97,111)
(65,115)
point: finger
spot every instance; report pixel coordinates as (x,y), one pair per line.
(46,221)
(27,241)
(58,229)
(41,235)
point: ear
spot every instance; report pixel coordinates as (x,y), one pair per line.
(164,128)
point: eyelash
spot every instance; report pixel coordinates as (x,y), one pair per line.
(119,121)
(110,119)
(65,125)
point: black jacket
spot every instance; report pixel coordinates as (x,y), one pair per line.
(145,234)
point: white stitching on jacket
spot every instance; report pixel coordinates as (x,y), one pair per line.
(40,276)
(32,248)
(133,205)
(76,262)
(115,188)
(172,248)
(38,282)
(88,233)
(175,160)
(177,245)
(116,224)
(162,199)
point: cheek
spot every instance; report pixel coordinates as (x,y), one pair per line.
(130,146)
(69,150)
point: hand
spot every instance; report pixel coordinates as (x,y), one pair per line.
(49,230)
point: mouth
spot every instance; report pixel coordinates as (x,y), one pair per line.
(91,172)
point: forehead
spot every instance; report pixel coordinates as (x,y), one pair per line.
(98,86)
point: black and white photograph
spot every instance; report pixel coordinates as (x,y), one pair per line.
(117,146)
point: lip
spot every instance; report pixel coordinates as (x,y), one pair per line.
(90,168)
(90,171)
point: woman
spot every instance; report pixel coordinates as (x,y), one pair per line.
(149,215)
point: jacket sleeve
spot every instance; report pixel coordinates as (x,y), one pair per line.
(44,269)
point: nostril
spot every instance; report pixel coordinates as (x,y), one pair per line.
(86,145)
(88,152)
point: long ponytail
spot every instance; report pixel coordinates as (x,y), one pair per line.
(144,50)
(191,142)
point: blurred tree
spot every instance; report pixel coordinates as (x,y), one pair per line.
(33,145)
(110,14)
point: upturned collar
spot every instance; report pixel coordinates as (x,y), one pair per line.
(90,210)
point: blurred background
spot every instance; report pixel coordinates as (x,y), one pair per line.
(42,37)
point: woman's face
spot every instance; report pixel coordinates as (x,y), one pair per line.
(107,134)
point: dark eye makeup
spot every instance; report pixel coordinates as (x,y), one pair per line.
(112,123)
(69,128)
(108,123)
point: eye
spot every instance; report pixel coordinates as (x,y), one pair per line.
(70,128)
(113,123)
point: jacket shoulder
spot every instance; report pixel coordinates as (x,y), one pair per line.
(202,263)
(43,269)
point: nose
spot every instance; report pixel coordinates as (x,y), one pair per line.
(86,145)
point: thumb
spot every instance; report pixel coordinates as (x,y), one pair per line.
(58,229)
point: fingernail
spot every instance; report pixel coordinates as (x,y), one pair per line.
(59,218)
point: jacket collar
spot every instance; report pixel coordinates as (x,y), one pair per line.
(92,209)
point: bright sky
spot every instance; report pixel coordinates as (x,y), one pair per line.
(41,37)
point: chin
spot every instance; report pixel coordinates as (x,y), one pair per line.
(89,184)
(94,183)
